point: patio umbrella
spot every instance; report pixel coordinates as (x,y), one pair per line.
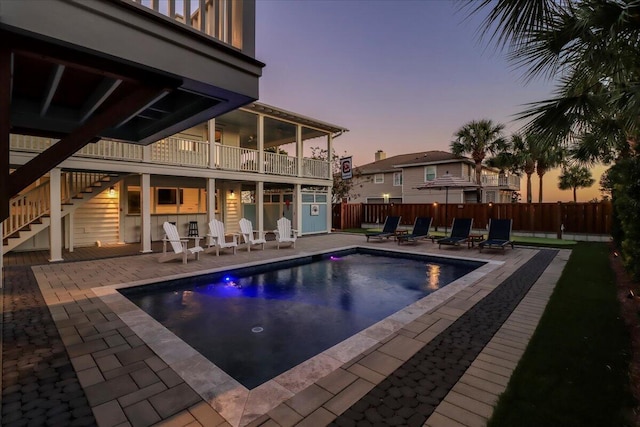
(447,181)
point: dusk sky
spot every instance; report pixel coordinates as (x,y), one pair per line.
(403,76)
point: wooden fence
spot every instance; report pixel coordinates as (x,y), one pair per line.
(581,218)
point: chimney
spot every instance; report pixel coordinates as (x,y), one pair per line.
(380,155)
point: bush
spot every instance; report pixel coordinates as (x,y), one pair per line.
(626,203)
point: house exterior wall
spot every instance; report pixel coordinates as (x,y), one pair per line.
(415,177)
(97,220)
(365,187)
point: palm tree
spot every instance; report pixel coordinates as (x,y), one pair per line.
(547,157)
(591,46)
(525,149)
(478,138)
(574,177)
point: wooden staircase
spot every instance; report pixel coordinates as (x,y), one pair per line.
(29,212)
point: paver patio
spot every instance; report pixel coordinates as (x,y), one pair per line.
(127,378)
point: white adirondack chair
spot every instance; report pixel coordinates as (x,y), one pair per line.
(284,233)
(249,236)
(178,244)
(217,238)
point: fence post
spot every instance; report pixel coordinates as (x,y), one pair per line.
(559,220)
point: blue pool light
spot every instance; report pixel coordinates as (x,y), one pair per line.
(334,258)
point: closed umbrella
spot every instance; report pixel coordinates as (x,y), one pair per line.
(447,181)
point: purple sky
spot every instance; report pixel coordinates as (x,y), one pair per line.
(403,76)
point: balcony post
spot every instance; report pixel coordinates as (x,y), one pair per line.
(261,143)
(55,214)
(145,213)
(211,125)
(330,161)
(298,209)
(299,147)
(260,205)
(211,199)
(329,208)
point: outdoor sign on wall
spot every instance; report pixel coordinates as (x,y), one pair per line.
(345,168)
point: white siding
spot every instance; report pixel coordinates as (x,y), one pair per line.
(97,219)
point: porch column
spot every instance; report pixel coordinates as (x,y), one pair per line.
(68,226)
(55,228)
(145,213)
(297,190)
(211,127)
(211,199)
(123,195)
(329,208)
(260,205)
(260,143)
(330,157)
(299,148)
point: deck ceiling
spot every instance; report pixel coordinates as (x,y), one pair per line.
(55,90)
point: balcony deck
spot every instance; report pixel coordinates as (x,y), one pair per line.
(187,153)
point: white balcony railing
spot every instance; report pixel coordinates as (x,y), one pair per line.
(315,168)
(512,181)
(184,152)
(212,17)
(175,151)
(106,149)
(280,164)
(237,158)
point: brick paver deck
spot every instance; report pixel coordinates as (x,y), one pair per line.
(80,354)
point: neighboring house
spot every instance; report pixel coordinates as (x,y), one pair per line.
(168,139)
(396,180)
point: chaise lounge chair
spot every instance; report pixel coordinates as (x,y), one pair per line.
(284,233)
(249,236)
(218,238)
(460,230)
(178,244)
(499,234)
(389,229)
(420,230)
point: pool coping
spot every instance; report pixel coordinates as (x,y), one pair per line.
(238,405)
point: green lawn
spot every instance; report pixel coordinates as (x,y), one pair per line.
(575,369)
(529,241)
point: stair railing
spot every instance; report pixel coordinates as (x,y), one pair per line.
(26,208)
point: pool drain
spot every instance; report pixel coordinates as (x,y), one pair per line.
(257,329)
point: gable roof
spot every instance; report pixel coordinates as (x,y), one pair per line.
(391,164)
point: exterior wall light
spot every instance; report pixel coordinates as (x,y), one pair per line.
(112,191)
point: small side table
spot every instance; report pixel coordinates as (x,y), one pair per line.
(473,238)
(399,233)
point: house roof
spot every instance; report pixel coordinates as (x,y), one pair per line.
(412,159)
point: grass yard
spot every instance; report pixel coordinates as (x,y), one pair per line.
(575,369)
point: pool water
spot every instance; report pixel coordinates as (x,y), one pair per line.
(257,325)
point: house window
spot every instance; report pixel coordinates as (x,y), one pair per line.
(429,173)
(397,179)
(378,178)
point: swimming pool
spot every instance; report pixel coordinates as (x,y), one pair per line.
(258,322)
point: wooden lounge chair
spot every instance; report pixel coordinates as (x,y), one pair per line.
(389,229)
(178,244)
(460,230)
(250,237)
(499,234)
(285,234)
(218,238)
(421,228)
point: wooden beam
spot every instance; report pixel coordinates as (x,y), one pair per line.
(80,137)
(54,81)
(102,92)
(5,128)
